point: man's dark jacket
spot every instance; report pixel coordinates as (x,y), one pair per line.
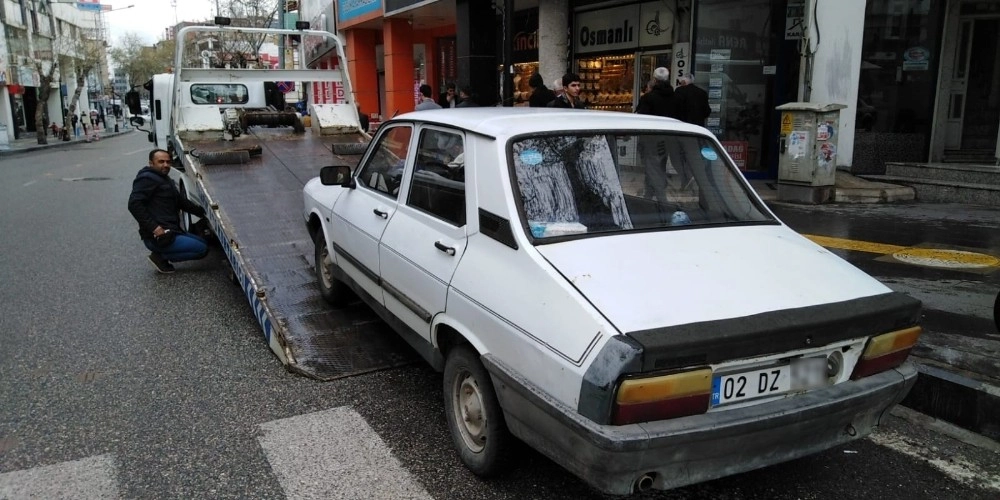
(691,105)
(541,97)
(658,101)
(561,101)
(155,202)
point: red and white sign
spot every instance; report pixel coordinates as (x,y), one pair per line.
(737,150)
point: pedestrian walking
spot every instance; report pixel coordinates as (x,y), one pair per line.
(75,120)
(541,96)
(84,122)
(155,204)
(690,102)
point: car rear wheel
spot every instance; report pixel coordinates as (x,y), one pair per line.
(474,416)
(333,291)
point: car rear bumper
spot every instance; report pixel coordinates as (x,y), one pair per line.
(688,450)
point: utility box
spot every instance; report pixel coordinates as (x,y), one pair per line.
(807,151)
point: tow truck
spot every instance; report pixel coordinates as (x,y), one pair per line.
(245,159)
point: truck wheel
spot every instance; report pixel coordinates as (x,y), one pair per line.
(474,416)
(333,291)
(183,216)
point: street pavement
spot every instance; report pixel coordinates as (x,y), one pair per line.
(121,383)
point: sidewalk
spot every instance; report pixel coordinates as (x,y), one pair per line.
(958,356)
(28,142)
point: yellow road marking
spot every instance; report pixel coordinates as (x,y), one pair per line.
(934,257)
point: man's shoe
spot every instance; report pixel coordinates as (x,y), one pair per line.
(162,265)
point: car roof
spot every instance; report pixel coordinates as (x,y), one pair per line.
(503,122)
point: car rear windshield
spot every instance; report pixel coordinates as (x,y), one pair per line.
(578,184)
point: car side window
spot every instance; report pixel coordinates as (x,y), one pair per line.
(384,170)
(438,183)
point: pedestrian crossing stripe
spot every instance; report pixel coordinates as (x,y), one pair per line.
(94,477)
(930,257)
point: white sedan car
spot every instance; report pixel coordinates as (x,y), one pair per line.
(607,288)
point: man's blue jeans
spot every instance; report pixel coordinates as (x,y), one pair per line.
(186,246)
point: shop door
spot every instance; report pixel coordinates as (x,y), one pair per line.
(648,61)
(982,113)
(974,101)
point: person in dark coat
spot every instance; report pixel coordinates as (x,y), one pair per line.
(467,98)
(570,98)
(690,102)
(449,98)
(541,96)
(657,101)
(155,204)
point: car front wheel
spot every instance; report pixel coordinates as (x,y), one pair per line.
(474,416)
(333,291)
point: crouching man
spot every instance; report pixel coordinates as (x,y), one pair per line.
(155,204)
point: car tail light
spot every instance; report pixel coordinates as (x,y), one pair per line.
(664,396)
(886,351)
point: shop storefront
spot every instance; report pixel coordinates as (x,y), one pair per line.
(746,58)
(616,50)
(524,53)
(896,88)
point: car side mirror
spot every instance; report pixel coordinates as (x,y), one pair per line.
(337,176)
(137,120)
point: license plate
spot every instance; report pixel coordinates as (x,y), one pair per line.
(801,374)
(753,384)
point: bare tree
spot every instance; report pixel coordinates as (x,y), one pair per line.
(242,49)
(138,62)
(46,62)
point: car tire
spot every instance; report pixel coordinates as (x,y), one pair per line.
(333,291)
(476,422)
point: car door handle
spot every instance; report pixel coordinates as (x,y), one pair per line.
(384,215)
(445,248)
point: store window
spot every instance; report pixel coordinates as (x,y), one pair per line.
(731,51)
(607,82)
(896,90)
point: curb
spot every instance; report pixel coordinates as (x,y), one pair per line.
(57,144)
(948,396)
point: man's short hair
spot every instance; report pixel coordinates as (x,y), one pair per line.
(569,78)
(557,84)
(661,74)
(425,90)
(152,153)
(687,79)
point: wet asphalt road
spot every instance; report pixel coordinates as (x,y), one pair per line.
(957,300)
(172,377)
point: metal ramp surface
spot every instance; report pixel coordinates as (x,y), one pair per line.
(260,209)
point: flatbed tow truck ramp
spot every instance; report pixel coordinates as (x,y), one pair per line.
(255,209)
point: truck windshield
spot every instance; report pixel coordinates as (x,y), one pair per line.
(582,184)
